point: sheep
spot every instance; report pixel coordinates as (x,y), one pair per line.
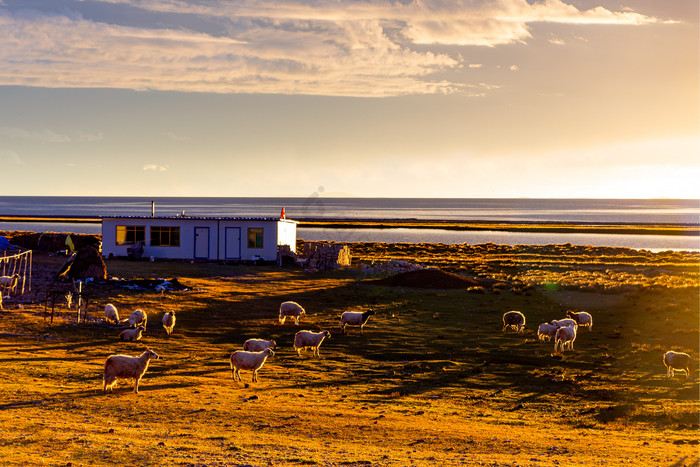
(513,319)
(293,310)
(546,331)
(132,334)
(565,337)
(111,314)
(9,282)
(678,361)
(169,322)
(560,323)
(310,340)
(243,360)
(138,317)
(258,345)
(582,318)
(355,318)
(124,366)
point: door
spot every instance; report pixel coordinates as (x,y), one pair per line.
(233,243)
(201,242)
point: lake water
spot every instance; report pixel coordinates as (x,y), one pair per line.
(589,211)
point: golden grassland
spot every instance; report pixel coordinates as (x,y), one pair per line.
(433,380)
(534,227)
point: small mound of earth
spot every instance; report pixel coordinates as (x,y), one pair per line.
(433,279)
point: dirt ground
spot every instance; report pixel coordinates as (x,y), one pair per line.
(433,380)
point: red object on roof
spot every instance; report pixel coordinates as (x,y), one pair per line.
(283,215)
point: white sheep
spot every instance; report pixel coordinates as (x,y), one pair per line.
(355,318)
(169,322)
(9,282)
(243,360)
(111,314)
(560,323)
(678,361)
(292,310)
(513,319)
(565,337)
(310,340)
(138,317)
(546,331)
(582,318)
(258,345)
(124,366)
(132,334)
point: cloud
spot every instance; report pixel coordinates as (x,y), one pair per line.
(9,157)
(43,136)
(155,167)
(89,137)
(373,48)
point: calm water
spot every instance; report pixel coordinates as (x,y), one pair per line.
(524,210)
(572,210)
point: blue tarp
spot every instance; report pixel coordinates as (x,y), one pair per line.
(5,244)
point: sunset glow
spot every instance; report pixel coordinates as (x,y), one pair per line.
(377,98)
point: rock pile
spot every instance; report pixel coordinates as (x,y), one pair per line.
(390,268)
(323,256)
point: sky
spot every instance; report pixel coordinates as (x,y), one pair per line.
(364,98)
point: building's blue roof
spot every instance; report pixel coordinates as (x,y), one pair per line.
(207,218)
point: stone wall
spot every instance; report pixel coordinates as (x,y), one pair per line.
(323,256)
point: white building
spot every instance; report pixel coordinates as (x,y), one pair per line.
(205,238)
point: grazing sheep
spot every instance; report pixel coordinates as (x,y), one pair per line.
(678,361)
(355,318)
(582,318)
(138,317)
(546,331)
(565,337)
(513,319)
(292,310)
(169,322)
(124,366)
(310,340)
(111,314)
(258,345)
(560,323)
(132,334)
(243,360)
(9,282)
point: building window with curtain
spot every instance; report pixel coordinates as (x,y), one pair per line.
(165,236)
(255,238)
(130,234)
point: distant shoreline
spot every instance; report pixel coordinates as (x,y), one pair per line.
(476,225)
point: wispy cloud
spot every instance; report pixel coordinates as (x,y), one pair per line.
(9,157)
(371,48)
(155,167)
(43,136)
(89,137)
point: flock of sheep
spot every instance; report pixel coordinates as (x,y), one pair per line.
(253,356)
(256,351)
(564,332)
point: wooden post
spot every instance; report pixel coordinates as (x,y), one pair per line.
(80,298)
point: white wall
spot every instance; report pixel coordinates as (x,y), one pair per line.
(274,233)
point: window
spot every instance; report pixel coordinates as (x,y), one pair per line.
(165,236)
(130,234)
(255,238)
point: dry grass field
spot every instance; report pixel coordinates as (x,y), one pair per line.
(433,380)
